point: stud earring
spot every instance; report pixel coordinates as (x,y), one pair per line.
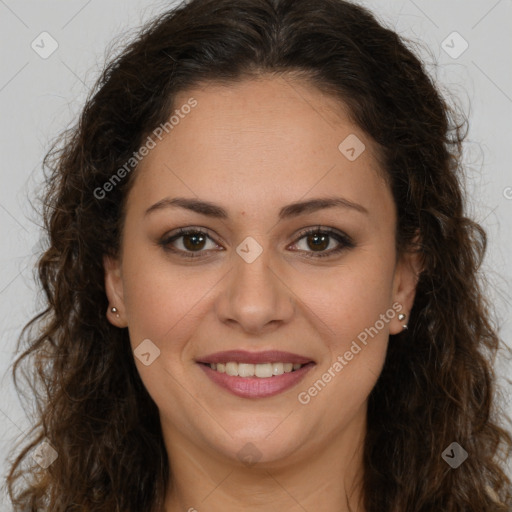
(114,310)
(401,316)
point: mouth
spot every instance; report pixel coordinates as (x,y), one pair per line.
(256,374)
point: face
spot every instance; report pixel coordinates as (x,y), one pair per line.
(260,267)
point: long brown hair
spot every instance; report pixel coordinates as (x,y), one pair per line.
(437,385)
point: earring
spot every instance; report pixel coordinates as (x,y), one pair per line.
(114,310)
(401,316)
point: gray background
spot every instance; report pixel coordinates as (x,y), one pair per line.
(40,97)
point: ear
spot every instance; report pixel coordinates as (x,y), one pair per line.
(114,291)
(406,278)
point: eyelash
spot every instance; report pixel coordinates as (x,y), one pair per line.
(344,240)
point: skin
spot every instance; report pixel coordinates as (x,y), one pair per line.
(252,148)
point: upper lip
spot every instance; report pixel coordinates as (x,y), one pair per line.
(242,356)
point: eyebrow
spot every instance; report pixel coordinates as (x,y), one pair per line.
(291,210)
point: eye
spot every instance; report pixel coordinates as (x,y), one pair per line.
(320,239)
(193,241)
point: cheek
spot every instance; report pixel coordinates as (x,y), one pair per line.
(348,307)
(165,305)
(165,302)
(348,299)
(354,348)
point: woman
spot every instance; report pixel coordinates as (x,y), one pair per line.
(262,285)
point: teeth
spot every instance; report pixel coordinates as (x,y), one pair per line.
(232,369)
(277,368)
(264,370)
(246,370)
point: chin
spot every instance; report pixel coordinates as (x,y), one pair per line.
(261,445)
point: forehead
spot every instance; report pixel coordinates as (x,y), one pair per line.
(277,113)
(260,136)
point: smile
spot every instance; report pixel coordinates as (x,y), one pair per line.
(254,370)
(255,375)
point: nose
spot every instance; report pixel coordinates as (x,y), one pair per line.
(255,298)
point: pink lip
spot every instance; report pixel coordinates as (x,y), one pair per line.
(255,387)
(242,356)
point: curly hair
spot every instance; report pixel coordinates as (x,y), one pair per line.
(437,385)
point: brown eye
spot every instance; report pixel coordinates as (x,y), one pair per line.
(318,240)
(187,242)
(194,241)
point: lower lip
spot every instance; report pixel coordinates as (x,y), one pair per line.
(256,387)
